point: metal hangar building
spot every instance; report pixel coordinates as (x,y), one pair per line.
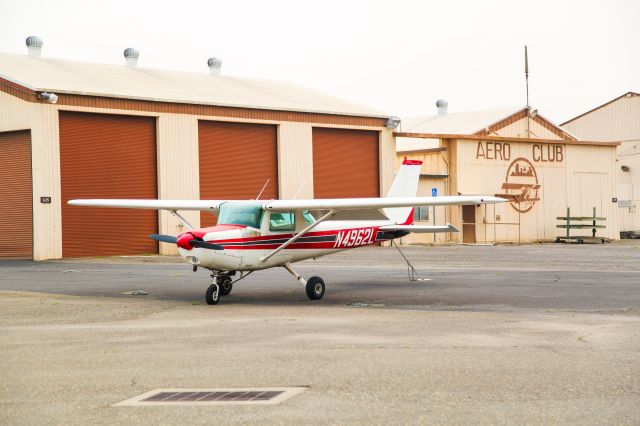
(515,153)
(85,130)
(618,120)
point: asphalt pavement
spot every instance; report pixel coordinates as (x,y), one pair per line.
(533,334)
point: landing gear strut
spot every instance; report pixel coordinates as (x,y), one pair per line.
(221,285)
(314,287)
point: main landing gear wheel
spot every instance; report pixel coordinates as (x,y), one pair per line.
(212,296)
(225,285)
(315,288)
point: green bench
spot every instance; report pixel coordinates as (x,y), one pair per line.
(580,222)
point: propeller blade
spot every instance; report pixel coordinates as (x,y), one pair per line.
(163,238)
(203,244)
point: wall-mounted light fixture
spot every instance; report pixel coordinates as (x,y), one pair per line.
(392,122)
(52,98)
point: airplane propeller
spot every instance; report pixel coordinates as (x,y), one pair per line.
(204,244)
(163,238)
(192,242)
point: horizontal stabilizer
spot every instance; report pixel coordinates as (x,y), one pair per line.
(420,229)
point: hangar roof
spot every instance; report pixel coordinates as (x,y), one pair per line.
(43,74)
(484,122)
(628,94)
(461,123)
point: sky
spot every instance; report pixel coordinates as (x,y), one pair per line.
(397,56)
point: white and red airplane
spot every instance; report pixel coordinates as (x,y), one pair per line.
(253,235)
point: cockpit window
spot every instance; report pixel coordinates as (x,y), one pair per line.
(308,217)
(285,221)
(247,214)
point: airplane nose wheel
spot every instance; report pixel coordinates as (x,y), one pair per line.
(212,296)
(315,288)
(225,285)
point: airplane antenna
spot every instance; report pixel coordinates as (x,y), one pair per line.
(295,197)
(263,188)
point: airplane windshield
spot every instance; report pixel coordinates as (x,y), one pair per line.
(247,214)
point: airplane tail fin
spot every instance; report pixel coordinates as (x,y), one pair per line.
(404,185)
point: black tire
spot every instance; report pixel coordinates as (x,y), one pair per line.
(225,286)
(315,288)
(212,296)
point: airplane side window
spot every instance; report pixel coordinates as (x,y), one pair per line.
(308,217)
(285,221)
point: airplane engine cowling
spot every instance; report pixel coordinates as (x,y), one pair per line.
(183,241)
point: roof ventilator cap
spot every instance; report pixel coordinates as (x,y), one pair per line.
(34,46)
(131,55)
(215,65)
(442,106)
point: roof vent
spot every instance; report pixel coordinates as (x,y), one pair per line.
(442,106)
(131,55)
(215,65)
(34,45)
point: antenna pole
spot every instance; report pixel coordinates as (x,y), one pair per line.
(526,72)
(526,78)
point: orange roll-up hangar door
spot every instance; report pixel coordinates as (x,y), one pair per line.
(236,159)
(345,163)
(107,156)
(16,196)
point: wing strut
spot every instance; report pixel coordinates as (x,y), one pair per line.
(298,235)
(182,219)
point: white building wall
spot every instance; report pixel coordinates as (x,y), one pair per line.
(42,120)
(618,121)
(570,175)
(519,130)
(295,160)
(178,174)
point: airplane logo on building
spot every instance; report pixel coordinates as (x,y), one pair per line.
(521,185)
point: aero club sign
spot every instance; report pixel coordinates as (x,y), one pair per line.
(521,184)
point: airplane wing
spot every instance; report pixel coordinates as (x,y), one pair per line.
(379,203)
(152,204)
(420,229)
(336,204)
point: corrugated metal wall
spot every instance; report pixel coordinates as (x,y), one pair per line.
(107,156)
(236,160)
(345,163)
(295,160)
(16,216)
(177,147)
(618,121)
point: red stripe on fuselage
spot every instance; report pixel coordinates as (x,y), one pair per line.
(280,236)
(345,238)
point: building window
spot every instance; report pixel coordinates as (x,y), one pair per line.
(421,214)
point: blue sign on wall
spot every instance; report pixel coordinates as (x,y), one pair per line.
(434,192)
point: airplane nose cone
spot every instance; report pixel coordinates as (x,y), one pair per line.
(183,241)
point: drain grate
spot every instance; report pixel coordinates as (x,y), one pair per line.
(249,396)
